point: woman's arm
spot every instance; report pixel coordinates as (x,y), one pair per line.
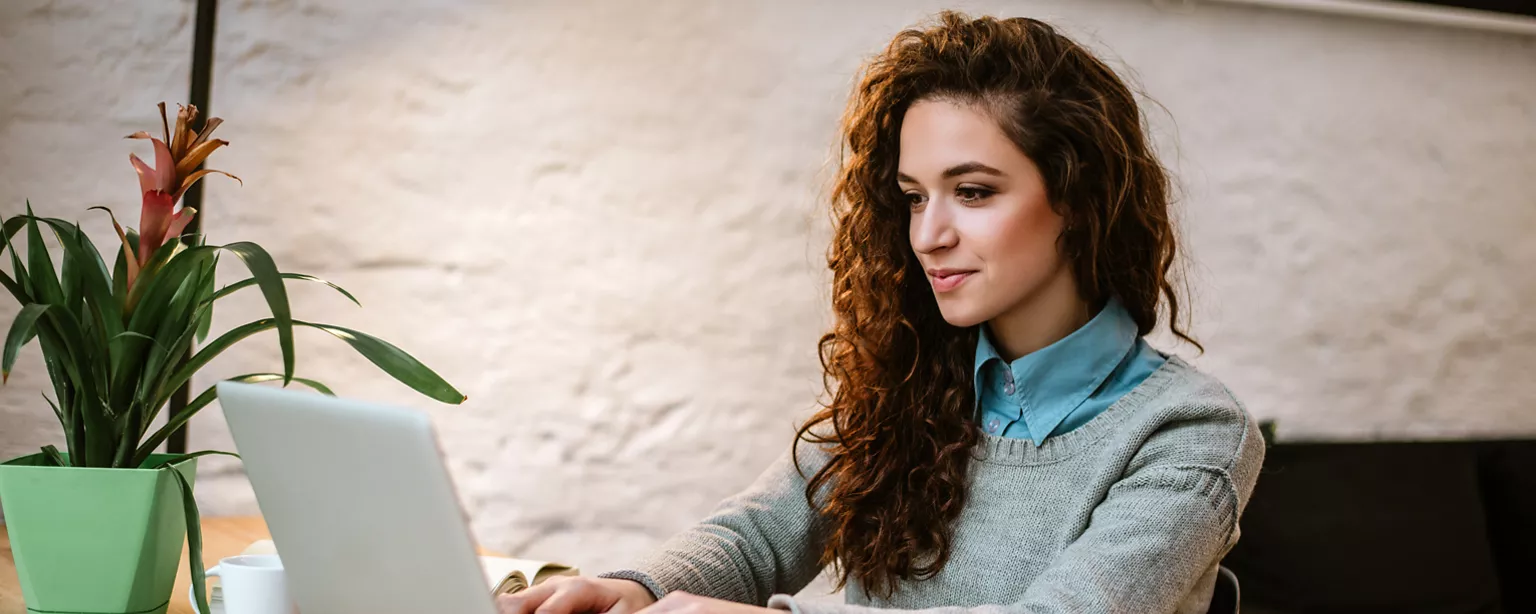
(762,541)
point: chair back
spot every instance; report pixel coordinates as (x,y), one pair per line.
(1226,597)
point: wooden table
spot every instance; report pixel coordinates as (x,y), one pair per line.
(222,537)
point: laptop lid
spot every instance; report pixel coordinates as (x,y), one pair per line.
(359,503)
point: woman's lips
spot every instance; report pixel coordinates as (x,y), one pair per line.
(945,281)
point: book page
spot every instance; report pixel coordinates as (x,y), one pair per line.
(499,568)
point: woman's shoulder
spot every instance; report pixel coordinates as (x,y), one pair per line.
(1189,389)
(1187,416)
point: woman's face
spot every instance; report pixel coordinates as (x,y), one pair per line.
(981,225)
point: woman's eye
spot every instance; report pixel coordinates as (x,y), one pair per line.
(914,199)
(972,195)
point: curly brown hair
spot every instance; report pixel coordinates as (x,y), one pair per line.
(899,421)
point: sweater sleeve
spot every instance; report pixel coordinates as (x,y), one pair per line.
(764,540)
(1159,529)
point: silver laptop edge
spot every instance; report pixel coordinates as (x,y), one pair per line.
(359,503)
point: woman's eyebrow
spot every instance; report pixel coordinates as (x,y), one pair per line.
(971,167)
(956,171)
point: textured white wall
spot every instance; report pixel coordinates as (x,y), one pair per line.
(602,220)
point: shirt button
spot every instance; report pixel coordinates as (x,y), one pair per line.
(1008,388)
(992,426)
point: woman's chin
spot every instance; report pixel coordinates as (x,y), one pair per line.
(961,314)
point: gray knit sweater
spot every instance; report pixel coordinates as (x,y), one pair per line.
(1129,513)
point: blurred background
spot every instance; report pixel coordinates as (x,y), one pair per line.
(605,221)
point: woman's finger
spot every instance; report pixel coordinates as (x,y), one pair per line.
(577,596)
(527,600)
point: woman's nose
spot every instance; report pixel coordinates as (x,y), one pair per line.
(933,228)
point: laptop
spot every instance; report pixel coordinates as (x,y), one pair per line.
(359,503)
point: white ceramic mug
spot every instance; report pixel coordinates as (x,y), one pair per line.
(251,584)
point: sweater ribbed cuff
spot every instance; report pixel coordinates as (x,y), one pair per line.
(784,602)
(643,578)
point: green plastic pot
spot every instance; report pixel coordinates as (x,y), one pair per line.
(94,541)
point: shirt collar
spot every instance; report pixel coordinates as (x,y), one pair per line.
(1053,381)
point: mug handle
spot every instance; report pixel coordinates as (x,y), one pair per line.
(192,590)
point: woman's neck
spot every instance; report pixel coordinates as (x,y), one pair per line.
(1041,319)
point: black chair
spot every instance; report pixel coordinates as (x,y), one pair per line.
(1443,527)
(1225,598)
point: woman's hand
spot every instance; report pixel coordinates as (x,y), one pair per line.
(577,595)
(684,603)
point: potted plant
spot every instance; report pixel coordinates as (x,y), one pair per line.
(98,527)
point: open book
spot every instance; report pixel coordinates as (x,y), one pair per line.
(506,575)
(502,574)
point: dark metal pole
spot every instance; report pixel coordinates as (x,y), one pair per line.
(202,82)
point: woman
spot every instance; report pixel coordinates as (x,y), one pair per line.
(999,437)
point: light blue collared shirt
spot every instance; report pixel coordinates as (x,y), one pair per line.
(1062,386)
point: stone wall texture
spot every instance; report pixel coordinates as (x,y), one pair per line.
(604,221)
